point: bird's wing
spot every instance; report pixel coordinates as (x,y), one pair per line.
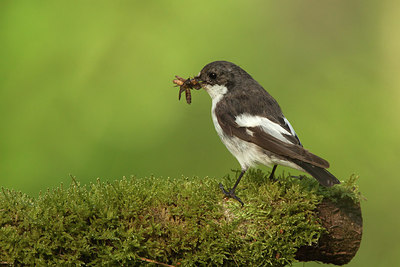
(282,131)
(269,135)
(264,110)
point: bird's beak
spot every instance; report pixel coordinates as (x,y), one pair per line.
(199,82)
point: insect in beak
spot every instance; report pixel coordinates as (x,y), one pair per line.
(186,85)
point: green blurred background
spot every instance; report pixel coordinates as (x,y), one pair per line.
(85,89)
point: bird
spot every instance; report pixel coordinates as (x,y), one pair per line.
(250,123)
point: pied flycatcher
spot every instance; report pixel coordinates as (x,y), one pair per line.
(251,125)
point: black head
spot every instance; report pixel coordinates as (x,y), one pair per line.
(222,73)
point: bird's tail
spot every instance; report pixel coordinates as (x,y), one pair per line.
(324,177)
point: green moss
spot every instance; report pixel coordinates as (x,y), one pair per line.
(170,220)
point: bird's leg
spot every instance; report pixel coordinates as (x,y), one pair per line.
(231,192)
(271,176)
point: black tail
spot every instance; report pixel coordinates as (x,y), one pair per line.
(324,177)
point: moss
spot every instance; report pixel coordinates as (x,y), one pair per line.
(168,220)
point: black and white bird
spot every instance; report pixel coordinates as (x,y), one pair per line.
(250,123)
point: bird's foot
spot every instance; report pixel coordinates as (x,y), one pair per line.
(271,177)
(230,194)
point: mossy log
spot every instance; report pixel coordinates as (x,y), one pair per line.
(182,221)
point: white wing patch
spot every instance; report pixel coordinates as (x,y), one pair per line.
(270,127)
(249,132)
(290,126)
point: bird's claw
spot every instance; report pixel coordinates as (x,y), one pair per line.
(230,194)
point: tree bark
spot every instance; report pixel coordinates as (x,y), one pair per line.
(339,245)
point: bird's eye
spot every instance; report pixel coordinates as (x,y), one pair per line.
(212,75)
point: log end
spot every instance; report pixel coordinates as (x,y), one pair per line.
(340,244)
